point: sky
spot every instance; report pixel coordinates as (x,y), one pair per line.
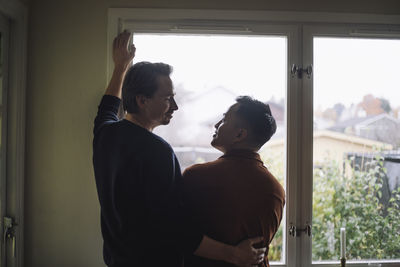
(214,69)
(345,69)
(244,65)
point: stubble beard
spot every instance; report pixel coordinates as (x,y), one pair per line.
(165,121)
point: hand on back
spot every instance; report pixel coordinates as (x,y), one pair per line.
(247,255)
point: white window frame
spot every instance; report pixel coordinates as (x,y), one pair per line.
(371,31)
(299,113)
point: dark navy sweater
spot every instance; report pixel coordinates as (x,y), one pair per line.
(138,180)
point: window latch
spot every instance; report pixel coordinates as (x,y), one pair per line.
(296,70)
(293,231)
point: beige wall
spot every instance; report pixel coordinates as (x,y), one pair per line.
(67,65)
(66,78)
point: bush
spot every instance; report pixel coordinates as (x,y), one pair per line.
(353,199)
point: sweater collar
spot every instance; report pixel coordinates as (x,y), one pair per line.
(240,153)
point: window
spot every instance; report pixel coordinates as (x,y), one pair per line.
(311,58)
(356,152)
(210,71)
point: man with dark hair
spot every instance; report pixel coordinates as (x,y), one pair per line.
(258,118)
(143,78)
(138,176)
(236,196)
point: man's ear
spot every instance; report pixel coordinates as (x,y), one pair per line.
(141,101)
(241,134)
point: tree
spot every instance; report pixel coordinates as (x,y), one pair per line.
(348,197)
(371,105)
(385,105)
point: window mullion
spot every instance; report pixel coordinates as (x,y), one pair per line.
(306,144)
(292,147)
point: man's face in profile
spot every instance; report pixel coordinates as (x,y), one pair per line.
(226,130)
(161,105)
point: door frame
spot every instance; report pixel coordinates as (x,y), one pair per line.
(4,43)
(17,14)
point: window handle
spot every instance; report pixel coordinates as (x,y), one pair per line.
(296,70)
(293,231)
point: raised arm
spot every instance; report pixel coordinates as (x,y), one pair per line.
(108,108)
(123,53)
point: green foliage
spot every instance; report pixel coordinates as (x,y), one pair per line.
(275,248)
(274,163)
(353,199)
(350,198)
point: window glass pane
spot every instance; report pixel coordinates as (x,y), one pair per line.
(356,149)
(210,71)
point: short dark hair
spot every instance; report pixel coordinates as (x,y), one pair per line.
(141,79)
(257,116)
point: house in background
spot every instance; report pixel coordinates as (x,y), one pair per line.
(333,145)
(383,128)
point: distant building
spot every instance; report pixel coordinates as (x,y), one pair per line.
(333,145)
(383,127)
